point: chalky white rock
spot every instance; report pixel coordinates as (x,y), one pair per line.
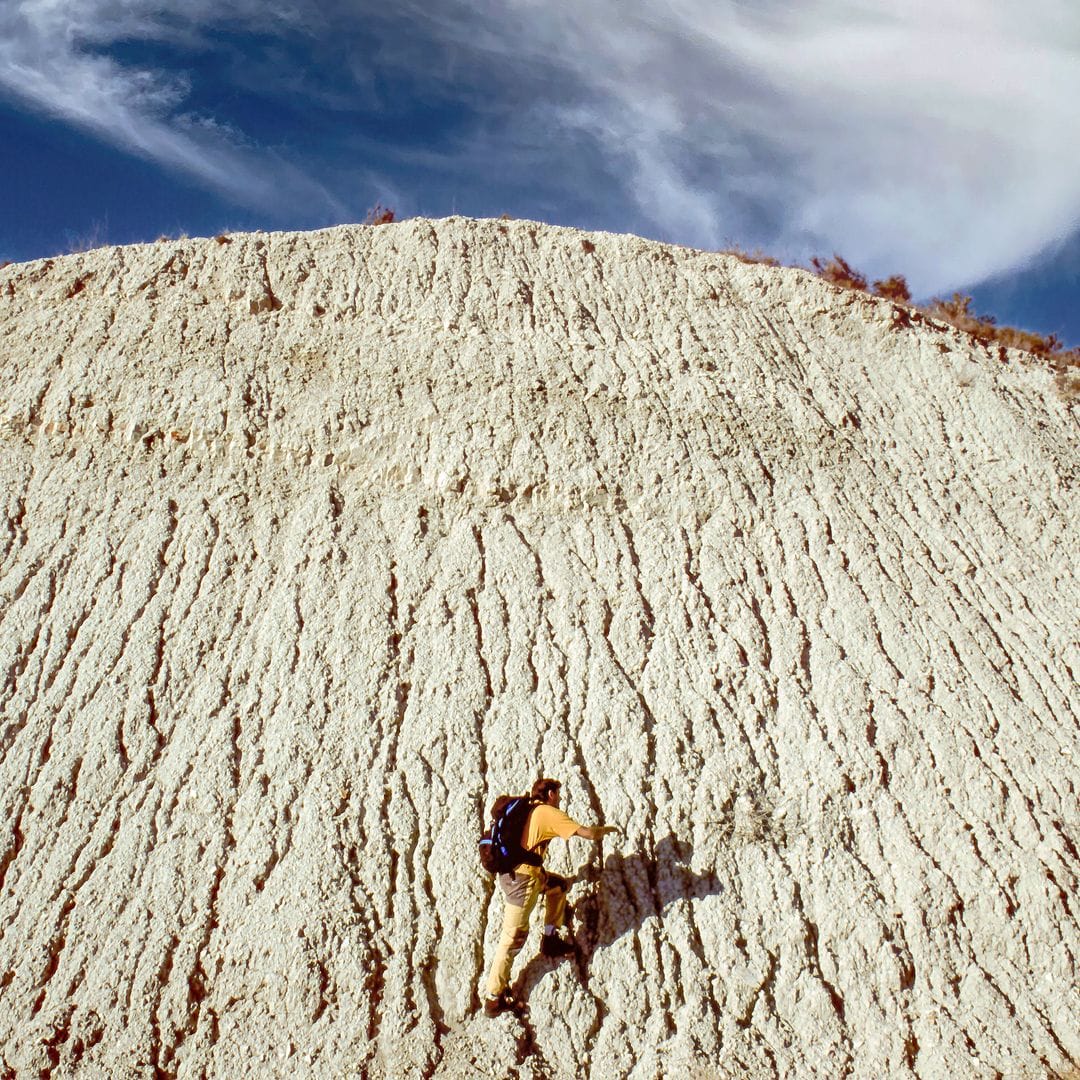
(315,543)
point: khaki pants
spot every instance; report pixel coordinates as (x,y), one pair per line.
(521,891)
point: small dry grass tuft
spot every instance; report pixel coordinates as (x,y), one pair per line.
(957,312)
(379,215)
(751,258)
(222,238)
(838,271)
(94,237)
(1039,344)
(894,288)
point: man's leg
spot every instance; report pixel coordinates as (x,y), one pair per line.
(551,945)
(521,892)
(555,888)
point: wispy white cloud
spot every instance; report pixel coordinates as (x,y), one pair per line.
(940,142)
(52,57)
(935,140)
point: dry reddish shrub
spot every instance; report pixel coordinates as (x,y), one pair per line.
(893,288)
(379,215)
(1040,345)
(221,238)
(839,272)
(752,258)
(587,246)
(957,311)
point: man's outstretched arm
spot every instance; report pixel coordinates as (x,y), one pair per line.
(594,832)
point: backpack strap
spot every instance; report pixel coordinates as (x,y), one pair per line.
(522,853)
(532,857)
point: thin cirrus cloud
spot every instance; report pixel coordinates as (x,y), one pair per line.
(933,139)
(54,58)
(929,139)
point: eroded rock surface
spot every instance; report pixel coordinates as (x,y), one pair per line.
(314,543)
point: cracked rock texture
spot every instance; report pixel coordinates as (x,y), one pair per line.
(312,544)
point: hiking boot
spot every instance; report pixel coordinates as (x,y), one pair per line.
(505,1002)
(554,947)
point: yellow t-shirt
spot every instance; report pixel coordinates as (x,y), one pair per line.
(545,824)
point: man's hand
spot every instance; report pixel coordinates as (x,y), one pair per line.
(595,832)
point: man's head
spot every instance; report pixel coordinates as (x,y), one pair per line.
(546,790)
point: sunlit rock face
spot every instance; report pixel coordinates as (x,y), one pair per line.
(313,544)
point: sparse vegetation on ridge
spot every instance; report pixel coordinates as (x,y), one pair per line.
(379,215)
(752,258)
(837,271)
(894,288)
(956,311)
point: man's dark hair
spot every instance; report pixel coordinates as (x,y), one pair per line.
(542,788)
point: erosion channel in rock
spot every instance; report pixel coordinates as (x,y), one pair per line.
(313,544)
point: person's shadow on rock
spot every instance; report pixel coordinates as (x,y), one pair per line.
(625,891)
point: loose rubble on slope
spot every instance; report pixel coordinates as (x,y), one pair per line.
(312,544)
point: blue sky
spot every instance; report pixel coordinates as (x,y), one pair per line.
(934,139)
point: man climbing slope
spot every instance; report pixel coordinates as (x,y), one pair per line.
(523,886)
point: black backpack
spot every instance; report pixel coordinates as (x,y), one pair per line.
(500,847)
